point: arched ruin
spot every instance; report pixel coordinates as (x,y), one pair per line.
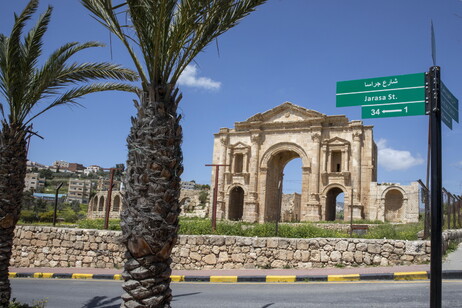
(338,156)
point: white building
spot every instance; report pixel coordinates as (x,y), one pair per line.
(33,181)
(92,169)
(79,190)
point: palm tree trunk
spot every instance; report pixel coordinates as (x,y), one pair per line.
(150,219)
(13,160)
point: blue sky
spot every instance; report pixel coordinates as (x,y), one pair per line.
(289,50)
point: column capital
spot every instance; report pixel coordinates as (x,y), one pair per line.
(357,136)
(316,137)
(256,138)
(224,140)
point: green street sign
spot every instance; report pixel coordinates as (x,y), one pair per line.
(393,110)
(446,119)
(382,90)
(449,104)
(392,96)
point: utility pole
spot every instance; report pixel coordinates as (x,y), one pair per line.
(434,83)
(215,194)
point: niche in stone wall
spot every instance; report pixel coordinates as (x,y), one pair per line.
(239,158)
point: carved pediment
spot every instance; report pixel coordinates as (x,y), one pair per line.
(285,113)
(239,145)
(336,141)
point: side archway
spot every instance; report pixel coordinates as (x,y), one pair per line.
(394,199)
(236,203)
(329,202)
(94,206)
(116,206)
(101,204)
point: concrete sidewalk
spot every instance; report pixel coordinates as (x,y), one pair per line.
(452,268)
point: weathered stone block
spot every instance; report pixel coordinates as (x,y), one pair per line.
(210,259)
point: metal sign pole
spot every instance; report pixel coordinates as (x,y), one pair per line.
(215,194)
(436,188)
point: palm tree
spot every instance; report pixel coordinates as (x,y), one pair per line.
(168,35)
(28,90)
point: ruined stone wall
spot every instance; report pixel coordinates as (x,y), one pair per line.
(61,247)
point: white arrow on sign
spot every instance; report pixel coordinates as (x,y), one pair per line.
(392,110)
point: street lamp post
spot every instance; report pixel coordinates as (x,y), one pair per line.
(56,203)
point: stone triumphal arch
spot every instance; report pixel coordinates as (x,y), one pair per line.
(337,156)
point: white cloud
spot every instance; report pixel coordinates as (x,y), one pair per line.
(392,159)
(189,78)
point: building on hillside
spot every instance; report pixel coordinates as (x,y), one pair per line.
(75,167)
(34,182)
(337,155)
(31,164)
(61,164)
(103,184)
(92,169)
(79,190)
(188,185)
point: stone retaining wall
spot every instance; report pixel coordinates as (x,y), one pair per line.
(61,247)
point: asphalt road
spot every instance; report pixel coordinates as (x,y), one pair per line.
(106,294)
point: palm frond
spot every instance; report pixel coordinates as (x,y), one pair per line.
(104,12)
(33,42)
(25,86)
(14,58)
(171,33)
(71,96)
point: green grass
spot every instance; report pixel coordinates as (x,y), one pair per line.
(114,224)
(451,247)
(35,304)
(355,222)
(201,226)
(395,231)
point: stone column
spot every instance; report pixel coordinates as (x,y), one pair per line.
(324,159)
(356,175)
(221,202)
(251,207)
(312,210)
(315,167)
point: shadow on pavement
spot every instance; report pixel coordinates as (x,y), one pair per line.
(186,294)
(102,302)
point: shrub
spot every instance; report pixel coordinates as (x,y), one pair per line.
(28,216)
(46,216)
(68,215)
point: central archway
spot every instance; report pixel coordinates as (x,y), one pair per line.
(274,181)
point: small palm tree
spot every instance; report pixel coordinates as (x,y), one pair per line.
(169,34)
(28,90)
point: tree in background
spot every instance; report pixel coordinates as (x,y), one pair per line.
(169,34)
(28,91)
(46,173)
